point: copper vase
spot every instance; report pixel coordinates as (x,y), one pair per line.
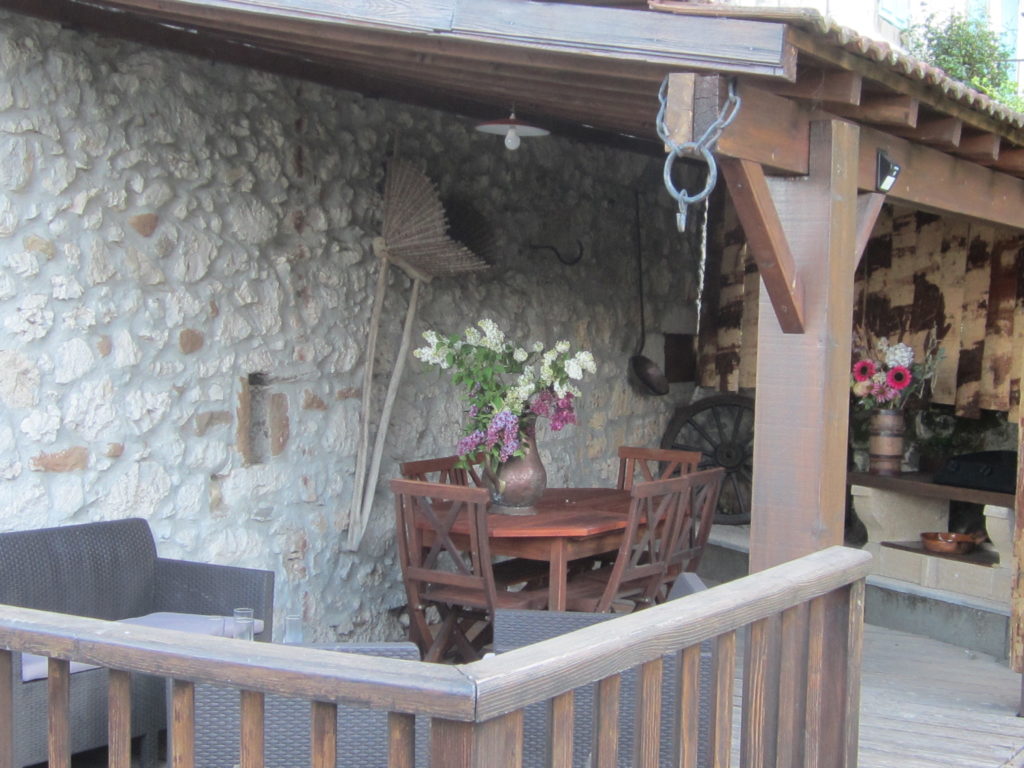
(519,482)
(885,442)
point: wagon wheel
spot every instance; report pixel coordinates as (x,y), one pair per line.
(721,427)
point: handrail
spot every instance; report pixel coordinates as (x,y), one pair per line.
(405,686)
(543,670)
(812,607)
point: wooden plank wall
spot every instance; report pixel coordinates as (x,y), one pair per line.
(728,326)
(919,272)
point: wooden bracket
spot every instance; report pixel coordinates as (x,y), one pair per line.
(767,240)
(869,205)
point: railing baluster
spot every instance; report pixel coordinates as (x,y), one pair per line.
(826,680)
(183,725)
(721,700)
(6,709)
(119,718)
(648,714)
(792,687)
(563,708)
(606,722)
(251,705)
(401,740)
(59,700)
(324,737)
(495,743)
(855,658)
(760,695)
(688,725)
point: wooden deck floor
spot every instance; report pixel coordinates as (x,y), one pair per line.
(927,703)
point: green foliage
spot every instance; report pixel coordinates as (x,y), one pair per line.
(967,50)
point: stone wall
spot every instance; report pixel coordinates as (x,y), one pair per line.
(186,278)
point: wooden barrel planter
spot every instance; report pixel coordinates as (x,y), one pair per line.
(885,443)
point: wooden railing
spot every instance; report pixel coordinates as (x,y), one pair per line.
(800,693)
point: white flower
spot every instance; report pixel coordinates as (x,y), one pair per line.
(538,346)
(520,355)
(473,336)
(573,369)
(494,337)
(562,347)
(586,361)
(899,354)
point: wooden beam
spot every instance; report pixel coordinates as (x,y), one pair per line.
(869,205)
(1017,580)
(801,421)
(768,129)
(825,86)
(982,147)
(941,183)
(826,50)
(942,133)
(535,29)
(896,110)
(767,241)
(1010,161)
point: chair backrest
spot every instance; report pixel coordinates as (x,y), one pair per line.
(102,569)
(653,464)
(442,470)
(642,557)
(430,554)
(693,524)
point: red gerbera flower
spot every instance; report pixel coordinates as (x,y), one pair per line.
(899,377)
(863,370)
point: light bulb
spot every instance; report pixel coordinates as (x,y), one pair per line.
(512,139)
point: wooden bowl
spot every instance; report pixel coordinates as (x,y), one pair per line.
(948,543)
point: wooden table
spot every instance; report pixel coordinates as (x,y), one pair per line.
(568,524)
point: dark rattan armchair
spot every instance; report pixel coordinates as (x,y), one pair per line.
(110,570)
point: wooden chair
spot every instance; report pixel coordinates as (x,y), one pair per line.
(452,572)
(693,525)
(638,571)
(442,470)
(507,573)
(653,464)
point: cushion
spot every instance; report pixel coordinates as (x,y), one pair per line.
(34,667)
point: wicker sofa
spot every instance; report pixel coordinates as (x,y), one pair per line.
(110,570)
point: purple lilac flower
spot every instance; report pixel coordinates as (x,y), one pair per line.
(542,402)
(564,413)
(470,443)
(507,449)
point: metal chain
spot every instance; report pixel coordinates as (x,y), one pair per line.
(701,148)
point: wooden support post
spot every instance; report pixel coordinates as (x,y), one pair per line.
(58,684)
(183,724)
(496,743)
(801,419)
(401,740)
(1017,580)
(119,719)
(6,709)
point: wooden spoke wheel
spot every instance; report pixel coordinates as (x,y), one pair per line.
(721,427)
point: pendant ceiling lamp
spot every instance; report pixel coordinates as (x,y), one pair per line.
(512,129)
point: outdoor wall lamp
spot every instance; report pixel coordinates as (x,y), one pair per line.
(513,129)
(886,172)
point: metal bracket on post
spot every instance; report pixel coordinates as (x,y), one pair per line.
(701,148)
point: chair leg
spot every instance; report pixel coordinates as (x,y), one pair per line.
(442,640)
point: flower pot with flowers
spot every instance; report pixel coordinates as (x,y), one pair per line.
(885,377)
(506,387)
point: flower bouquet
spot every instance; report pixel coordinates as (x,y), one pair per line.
(885,376)
(506,387)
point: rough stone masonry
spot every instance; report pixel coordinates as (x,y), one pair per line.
(186,278)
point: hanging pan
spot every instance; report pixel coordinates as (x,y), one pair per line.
(646,373)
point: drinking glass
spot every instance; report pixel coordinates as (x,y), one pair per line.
(293,629)
(243,623)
